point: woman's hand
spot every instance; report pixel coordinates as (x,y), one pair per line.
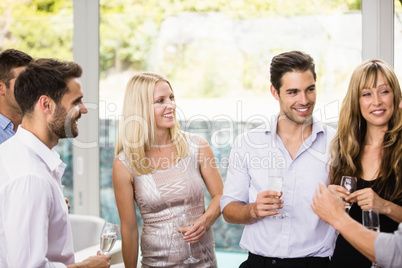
(340,191)
(367,199)
(197,232)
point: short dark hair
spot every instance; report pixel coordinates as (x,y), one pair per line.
(10,59)
(47,77)
(293,61)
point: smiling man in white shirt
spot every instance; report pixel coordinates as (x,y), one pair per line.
(297,144)
(34,226)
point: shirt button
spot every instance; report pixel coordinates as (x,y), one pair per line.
(273,261)
(287,214)
(285,237)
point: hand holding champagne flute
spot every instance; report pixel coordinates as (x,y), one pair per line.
(275,183)
(185,223)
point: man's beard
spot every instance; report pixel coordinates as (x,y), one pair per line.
(62,122)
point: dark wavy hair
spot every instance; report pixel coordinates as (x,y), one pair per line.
(293,61)
(47,77)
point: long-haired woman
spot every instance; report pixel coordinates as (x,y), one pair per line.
(368,145)
(163,170)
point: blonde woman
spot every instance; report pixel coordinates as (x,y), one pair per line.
(163,170)
(368,145)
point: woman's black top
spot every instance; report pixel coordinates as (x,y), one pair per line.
(345,255)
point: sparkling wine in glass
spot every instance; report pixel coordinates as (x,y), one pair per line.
(350,183)
(108,237)
(275,183)
(185,223)
(371,220)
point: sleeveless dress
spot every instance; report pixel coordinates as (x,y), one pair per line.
(345,255)
(163,195)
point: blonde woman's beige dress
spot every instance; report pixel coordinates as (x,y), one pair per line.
(162,196)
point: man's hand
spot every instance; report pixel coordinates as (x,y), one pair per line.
(68,203)
(98,261)
(267,204)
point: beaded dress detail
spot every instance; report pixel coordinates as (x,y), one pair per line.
(160,197)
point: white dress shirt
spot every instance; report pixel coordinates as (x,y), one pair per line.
(34,226)
(301,233)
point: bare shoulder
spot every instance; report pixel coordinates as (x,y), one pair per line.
(118,164)
(204,142)
(120,171)
(197,141)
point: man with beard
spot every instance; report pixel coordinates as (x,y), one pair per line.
(34,226)
(280,228)
(12,63)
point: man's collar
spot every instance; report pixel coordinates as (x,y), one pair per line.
(5,122)
(317,125)
(49,156)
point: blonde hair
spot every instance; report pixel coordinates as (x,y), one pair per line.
(137,125)
(346,147)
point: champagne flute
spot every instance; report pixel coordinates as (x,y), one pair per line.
(184,222)
(371,220)
(350,183)
(108,237)
(275,183)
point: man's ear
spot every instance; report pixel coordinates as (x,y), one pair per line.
(2,88)
(46,104)
(274,92)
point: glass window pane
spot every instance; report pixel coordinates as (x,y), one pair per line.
(398,40)
(216,55)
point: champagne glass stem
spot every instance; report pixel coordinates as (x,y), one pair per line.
(190,255)
(190,258)
(347,208)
